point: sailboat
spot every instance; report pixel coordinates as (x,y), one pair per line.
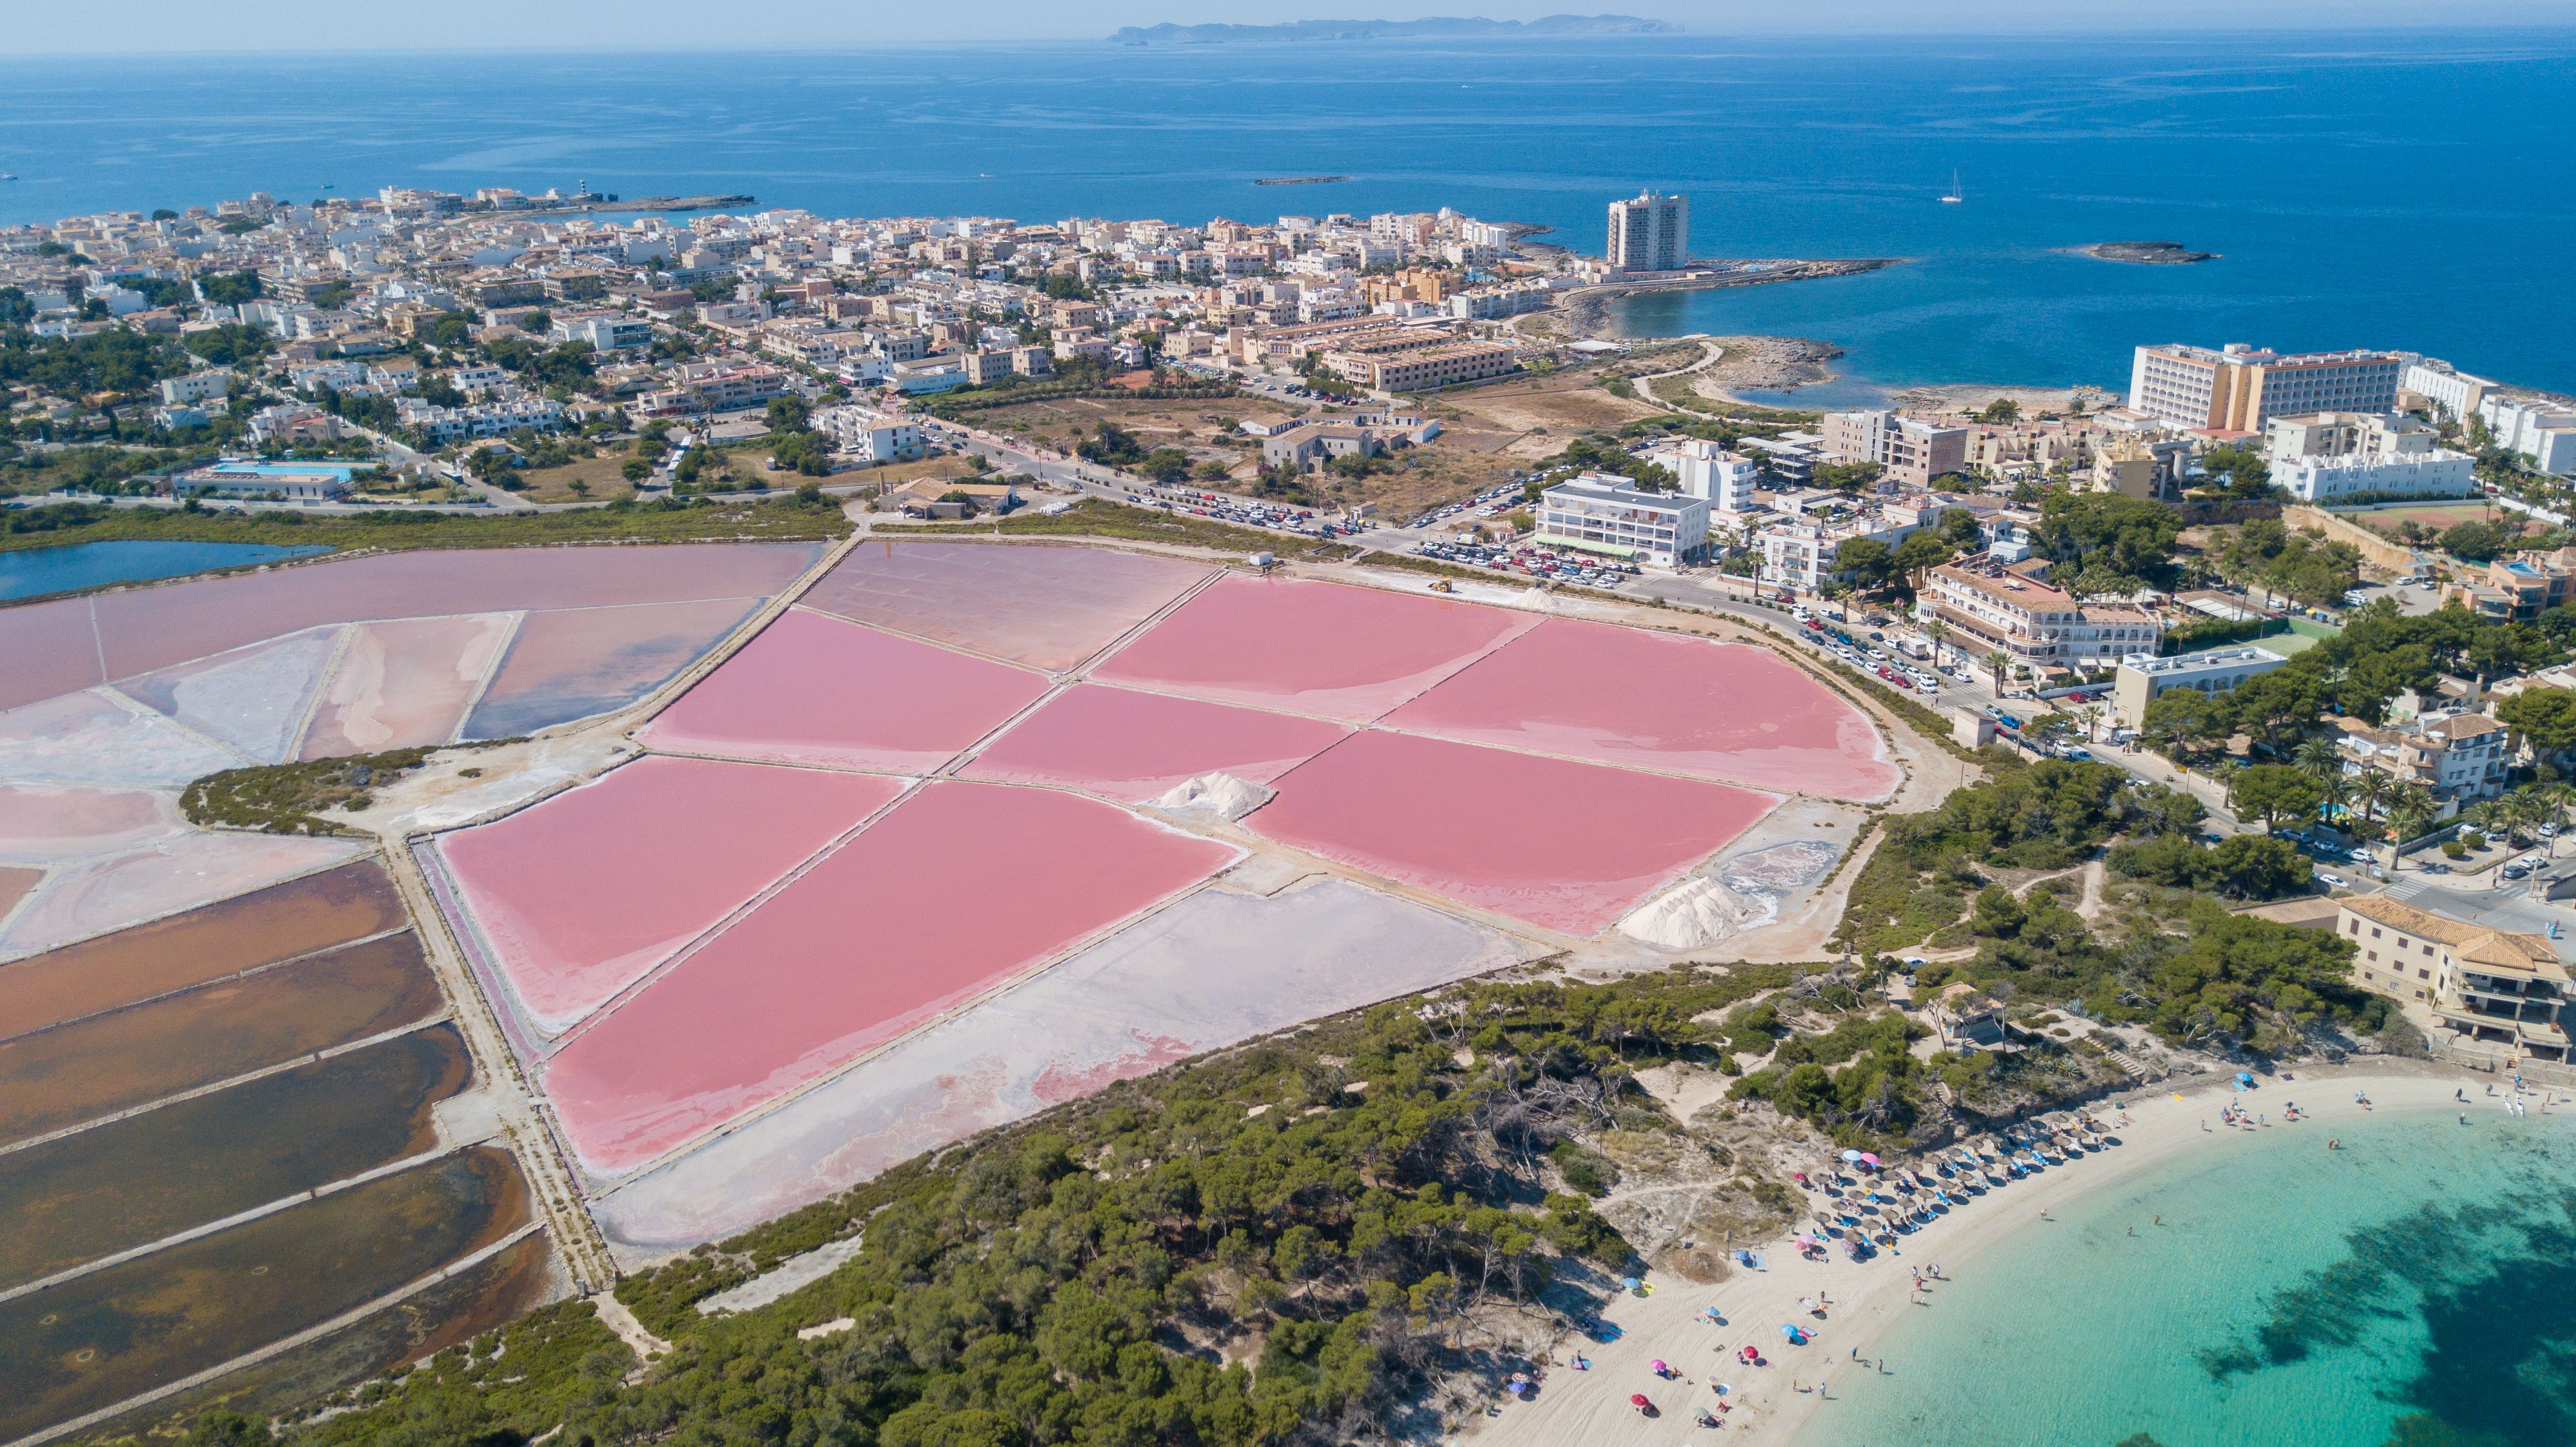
(1954,195)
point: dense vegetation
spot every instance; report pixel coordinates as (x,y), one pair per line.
(1281,1243)
(2358,673)
(287,798)
(2165,957)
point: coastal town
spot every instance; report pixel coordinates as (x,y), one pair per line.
(1477,863)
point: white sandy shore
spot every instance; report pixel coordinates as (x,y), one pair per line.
(1592,1408)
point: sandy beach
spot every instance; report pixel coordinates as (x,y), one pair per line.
(1592,1407)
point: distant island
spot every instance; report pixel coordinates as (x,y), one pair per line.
(1299,180)
(1450,27)
(2144,253)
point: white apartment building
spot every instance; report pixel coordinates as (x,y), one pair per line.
(1600,513)
(2460,757)
(202,386)
(2142,677)
(1912,451)
(611,333)
(2545,435)
(1650,233)
(2034,625)
(1709,471)
(871,437)
(2240,388)
(2329,455)
(478,379)
(2455,392)
(443,425)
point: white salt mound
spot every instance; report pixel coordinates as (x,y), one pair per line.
(1698,912)
(1223,795)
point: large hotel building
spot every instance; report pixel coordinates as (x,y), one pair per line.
(1650,233)
(2240,389)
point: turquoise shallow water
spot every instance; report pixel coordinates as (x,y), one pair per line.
(34,572)
(2415,1289)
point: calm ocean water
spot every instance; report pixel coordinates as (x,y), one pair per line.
(2411,1290)
(2375,189)
(34,572)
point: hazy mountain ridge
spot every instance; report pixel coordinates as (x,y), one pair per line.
(1446,26)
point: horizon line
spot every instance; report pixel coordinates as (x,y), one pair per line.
(2200,29)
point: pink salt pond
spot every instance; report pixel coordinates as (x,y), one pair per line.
(1134,746)
(1561,845)
(1328,649)
(1045,606)
(817,690)
(405,684)
(577,662)
(584,893)
(1660,701)
(958,890)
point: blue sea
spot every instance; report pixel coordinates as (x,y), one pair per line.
(35,572)
(2414,1289)
(2381,189)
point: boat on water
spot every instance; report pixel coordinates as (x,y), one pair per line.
(1954,195)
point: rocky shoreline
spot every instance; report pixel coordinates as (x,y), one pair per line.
(2142,253)
(1585,311)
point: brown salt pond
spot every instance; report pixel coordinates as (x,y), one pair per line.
(50,1079)
(277,923)
(99,1339)
(14,884)
(484,1297)
(153,1175)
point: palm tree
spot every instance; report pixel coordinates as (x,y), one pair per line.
(2552,804)
(2483,816)
(2318,756)
(1996,663)
(2091,713)
(1939,633)
(2370,789)
(2338,789)
(2410,813)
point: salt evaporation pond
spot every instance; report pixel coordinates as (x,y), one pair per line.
(1614,695)
(1134,746)
(818,690)
(583,893)
(959,888)
(1329,649)
(1564,846)
(1046,606)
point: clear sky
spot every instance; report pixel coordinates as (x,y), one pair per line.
(269,26)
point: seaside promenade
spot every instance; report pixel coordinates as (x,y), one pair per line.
(1593,1408)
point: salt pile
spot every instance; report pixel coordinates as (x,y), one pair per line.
(1223,795)
(1698,912)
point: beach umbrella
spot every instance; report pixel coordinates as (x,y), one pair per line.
(1867,1159)
(1658,1365)
(1627,1283)
(1851,1155)
(2244,1077)
(1637,1399)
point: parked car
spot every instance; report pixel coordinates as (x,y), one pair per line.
(2332,880)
